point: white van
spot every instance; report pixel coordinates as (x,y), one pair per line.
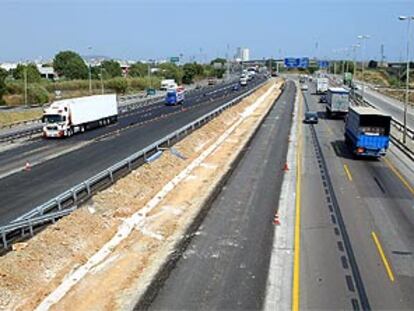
(168,84)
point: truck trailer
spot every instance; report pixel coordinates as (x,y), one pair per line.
(367,131)
(337,102)
(69,116)
(322,85)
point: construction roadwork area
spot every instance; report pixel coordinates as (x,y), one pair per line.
(124,238)
(226,264)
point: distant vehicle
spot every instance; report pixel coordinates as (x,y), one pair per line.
(367,131)
(175,96)
(347,78)
(337,102)
(304,87)
(323,99)
(322,85)
(168,84)
(236,87)
(302,79)
(212,81)
(243,81)
(69,116)
(311,117)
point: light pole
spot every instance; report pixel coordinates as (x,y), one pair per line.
(102,83)
(354,47)
(25,84)
(362,38)
(90,72)
(407,82)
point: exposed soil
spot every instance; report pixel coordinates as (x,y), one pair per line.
(34,270)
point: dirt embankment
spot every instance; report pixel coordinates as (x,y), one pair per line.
(50,264)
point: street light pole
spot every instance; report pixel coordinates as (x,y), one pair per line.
(25,84)
(407,82)
(90,73)
(362,38)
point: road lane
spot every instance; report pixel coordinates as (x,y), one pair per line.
(226,264)
(374,201)
(23,191)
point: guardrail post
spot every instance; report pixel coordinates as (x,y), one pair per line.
(59,204)
(111,175)
(88,188)
(31,227)
(74,196)
(3,236)
(129,164)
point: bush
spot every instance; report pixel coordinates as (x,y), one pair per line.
(119,85)
(37,94)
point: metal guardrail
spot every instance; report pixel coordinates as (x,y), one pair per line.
(127,104)
(69,200)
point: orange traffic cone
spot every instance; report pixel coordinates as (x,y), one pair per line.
(27,166)
(276,220)
(286,167)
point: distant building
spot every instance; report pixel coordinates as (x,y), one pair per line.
(242,54)
(8,66)
(46,72)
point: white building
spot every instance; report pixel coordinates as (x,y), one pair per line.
(242,54)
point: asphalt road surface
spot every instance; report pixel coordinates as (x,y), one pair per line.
(103,147)
(357,219)
(226,264)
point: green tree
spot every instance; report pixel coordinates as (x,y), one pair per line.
(171,71)
(138,70)
(3,75)
(32,73)
(70,65)
(111,69)
(190,70)
(218,60)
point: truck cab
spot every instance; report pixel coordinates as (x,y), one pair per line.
(174,96)
(56,121)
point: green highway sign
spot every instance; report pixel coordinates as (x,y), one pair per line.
(150,91)
(174,59)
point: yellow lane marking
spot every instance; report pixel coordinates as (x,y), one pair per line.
(401,177)
(383,257)
(296,259)
(348,172)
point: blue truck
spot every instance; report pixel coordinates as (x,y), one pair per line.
(367,131)
(174,96)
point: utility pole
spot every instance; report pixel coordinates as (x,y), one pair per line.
(102,83)
(362,38)
(407,82)
(25,85)
(90,72)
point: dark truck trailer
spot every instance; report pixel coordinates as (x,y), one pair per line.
(367,131)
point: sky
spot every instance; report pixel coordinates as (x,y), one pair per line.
(202,29)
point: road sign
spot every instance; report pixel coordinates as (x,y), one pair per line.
(303,62)
(174,59)
(291,62)
(323,64)
(150,91)
(297,62)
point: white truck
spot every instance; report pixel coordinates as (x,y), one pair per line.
(322,85)
(69,116)
(337,101)
(168,84)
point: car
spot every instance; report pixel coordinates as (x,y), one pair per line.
(311,117)
(211,81)
(243,81)
(304,87)
(323,99)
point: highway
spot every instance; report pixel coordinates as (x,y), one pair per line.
(226,264)
(389,105)
(84,155)
(357,231)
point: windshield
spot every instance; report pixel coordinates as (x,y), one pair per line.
(53,118)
